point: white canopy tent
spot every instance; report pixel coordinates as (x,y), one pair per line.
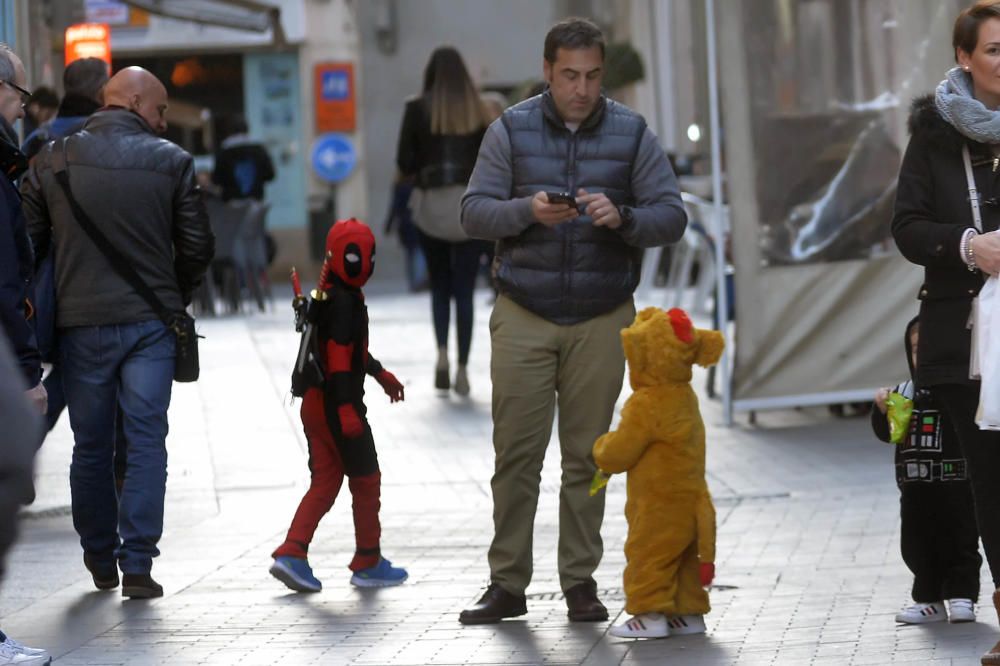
(812,147)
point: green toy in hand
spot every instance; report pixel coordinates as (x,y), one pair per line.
(898,410)
(599,481)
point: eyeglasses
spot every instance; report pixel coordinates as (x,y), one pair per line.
(25,94)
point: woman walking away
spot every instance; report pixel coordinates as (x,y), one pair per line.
(438,145)
(955,139)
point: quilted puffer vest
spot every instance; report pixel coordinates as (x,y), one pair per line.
(574,271)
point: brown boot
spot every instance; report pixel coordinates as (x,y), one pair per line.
(993,656)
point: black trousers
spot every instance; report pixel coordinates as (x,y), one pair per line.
(940,543)
(981,449)
(452,268)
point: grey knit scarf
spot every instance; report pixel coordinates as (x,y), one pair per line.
(964,112)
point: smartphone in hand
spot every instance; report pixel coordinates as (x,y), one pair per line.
(561,197)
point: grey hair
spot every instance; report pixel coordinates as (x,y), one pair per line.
(7,70)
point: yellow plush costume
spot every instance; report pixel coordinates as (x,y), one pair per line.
(660,442)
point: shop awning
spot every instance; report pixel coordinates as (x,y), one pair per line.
(238,14)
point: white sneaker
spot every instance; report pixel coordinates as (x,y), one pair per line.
(20,655)
(21,647)
(686,624)
(922,613)
(961,610)
(645,625)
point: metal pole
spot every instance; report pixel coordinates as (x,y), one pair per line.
(721,297)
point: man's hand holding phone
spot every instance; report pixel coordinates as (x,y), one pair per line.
(553,208)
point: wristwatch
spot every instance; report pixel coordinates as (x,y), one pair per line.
(625,212)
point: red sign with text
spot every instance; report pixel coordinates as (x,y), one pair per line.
(88,40)
(334,92)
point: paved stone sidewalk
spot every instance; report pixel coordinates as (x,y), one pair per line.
(808,565)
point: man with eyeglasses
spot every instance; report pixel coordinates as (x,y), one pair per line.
(24,92)
(16,269)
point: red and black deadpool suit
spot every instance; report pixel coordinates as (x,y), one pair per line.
(333,415)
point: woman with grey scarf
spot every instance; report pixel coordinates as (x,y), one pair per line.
(938,226)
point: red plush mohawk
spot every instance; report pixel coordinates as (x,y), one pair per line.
(683,328)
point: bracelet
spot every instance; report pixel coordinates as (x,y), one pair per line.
(965,249)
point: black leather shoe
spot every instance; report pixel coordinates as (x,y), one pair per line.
(495,604)
(104,572)
(140,586)
(583,604)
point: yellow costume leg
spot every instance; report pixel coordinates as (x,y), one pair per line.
(692,599)
(658,536)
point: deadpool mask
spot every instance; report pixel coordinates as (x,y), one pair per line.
(350,252)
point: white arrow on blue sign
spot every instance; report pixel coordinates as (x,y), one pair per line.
(333,157)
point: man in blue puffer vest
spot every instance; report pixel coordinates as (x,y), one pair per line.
(565,274)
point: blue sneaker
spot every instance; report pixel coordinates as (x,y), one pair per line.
(296,573)
(382,574)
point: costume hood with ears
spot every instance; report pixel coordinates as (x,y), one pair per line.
(660,443)
(350,254)
(678,345)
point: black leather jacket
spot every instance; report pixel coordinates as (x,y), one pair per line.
(434,160)
(140,190)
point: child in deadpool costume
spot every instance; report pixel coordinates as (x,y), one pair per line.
(333,416)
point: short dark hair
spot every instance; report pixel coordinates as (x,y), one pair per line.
(85,77)
(966,33)
(573,33)
(44,97)
(237,125)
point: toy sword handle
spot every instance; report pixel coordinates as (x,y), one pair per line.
(296,285)
(299,302)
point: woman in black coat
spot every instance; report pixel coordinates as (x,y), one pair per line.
(438,145)
(933,226)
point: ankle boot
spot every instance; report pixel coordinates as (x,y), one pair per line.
(441,371)
(993,656)
(462,381)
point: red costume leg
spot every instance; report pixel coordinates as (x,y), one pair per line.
(367,530)
(327,478)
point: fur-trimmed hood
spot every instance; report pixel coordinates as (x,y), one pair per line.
(925,119)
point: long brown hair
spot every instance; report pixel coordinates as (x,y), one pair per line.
(452,99)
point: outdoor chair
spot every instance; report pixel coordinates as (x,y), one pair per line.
(229,264)
(253,242)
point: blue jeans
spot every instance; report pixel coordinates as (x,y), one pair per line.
(130,366)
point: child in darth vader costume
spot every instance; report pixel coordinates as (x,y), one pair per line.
(938,536)
(329,376)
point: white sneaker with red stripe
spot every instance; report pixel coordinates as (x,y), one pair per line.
(686,624)
(644,625)
(922,613)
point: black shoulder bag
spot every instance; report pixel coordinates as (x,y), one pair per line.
(186,368)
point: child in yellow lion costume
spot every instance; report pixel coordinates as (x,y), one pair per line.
(660,442)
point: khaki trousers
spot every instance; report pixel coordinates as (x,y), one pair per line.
(537,365)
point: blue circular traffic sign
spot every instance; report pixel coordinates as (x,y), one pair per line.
(333,157)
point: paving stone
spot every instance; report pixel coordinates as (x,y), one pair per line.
(809,570)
